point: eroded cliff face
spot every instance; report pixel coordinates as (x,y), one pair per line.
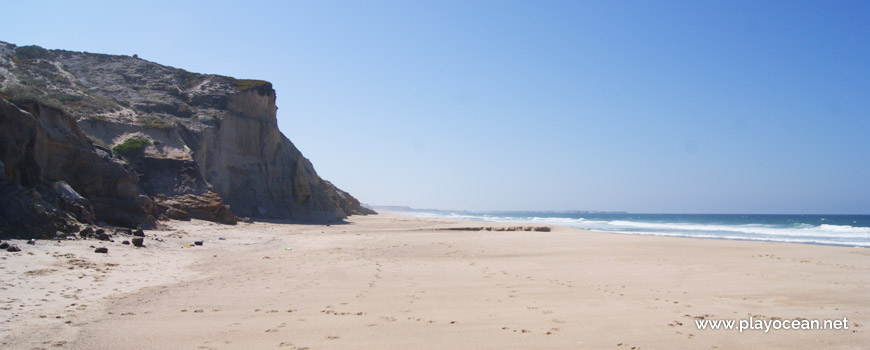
(53,174)
(202,134)
(231,156)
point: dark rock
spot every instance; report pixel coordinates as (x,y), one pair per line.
(102,250)
(139,233)
(197,243)
(138,241)
(13,248)
(124,231)
(31,241)
(125,242)
(71,201)
(23,215)
(86,232)
(542,229)
(4,245)
(103,236)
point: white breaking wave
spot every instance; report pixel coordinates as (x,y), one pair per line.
(747,238)
(799,233)
(803,230)
(844,228)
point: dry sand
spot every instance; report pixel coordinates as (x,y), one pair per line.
(395,282)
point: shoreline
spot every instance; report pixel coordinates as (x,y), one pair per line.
(392,281)
(812,229)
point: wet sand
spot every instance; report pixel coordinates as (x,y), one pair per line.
(396,282)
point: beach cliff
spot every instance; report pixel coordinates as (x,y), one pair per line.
(130,141)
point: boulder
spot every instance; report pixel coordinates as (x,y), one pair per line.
(73,202)
(177,214)
(102,235)
(87,231)
(207,206)
(102,250)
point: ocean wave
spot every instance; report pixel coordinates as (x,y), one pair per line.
(805,230)
(844,228)
(828,234)
(822,241)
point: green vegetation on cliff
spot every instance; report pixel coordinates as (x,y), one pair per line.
(30,52)
(133,147)
(248,84)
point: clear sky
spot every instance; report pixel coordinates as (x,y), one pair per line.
(643,106)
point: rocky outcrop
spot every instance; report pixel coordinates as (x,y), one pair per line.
(54,177)
(208,206)
(64,152)
(204,135)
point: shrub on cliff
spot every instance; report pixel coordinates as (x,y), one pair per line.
(132,147)
(30,52)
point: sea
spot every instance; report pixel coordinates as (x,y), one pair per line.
(839,230)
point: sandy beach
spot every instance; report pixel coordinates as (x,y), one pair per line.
(397,282)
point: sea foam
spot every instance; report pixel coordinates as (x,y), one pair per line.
(846,230)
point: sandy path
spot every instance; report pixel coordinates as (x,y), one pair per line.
(392,282)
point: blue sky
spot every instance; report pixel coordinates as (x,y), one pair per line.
(644,106)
